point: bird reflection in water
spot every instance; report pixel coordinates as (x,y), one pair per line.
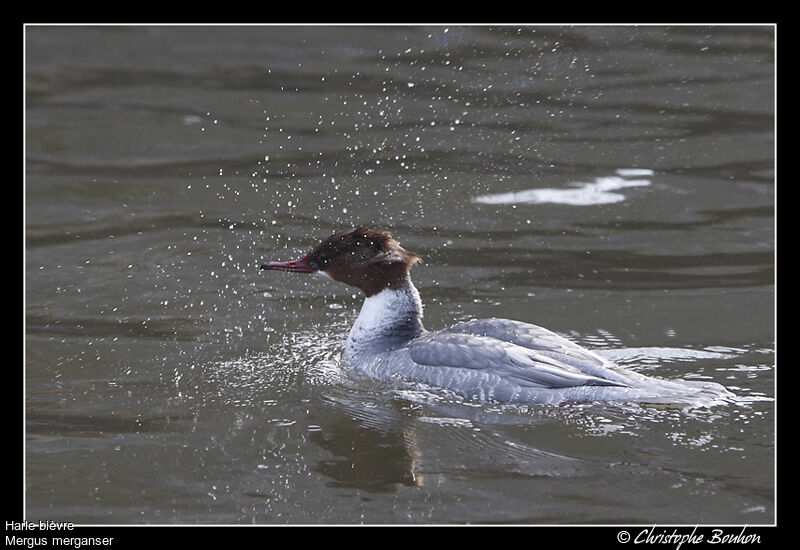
(374,448)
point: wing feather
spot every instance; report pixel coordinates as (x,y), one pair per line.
(547,343)
(523,366)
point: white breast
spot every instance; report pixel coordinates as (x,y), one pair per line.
(387,316)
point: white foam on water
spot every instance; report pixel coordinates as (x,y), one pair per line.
(582,194)
(462,422)
(634,172)
(666,354)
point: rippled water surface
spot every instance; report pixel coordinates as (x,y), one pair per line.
(614,184)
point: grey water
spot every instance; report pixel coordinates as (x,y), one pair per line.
(614,184)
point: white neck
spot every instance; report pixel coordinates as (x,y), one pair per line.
(388,319)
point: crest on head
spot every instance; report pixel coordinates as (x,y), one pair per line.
(369,259)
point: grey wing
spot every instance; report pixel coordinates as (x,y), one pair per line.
(514,363)
(547,343)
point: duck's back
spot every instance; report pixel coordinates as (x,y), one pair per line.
(510,361)
(548,344)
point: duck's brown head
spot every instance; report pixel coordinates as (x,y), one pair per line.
(368,259)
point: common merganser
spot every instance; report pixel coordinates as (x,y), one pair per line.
(487,359)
